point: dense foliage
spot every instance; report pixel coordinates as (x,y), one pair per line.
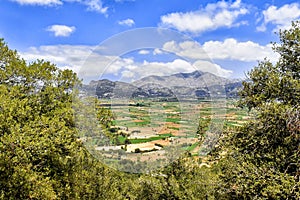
(263,156)
(42,156)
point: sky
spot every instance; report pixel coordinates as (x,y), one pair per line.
(129,39)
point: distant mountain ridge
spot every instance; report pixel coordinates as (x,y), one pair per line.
(193,79)
(196,84)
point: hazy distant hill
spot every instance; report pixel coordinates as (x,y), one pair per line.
(181,85)
(193,80)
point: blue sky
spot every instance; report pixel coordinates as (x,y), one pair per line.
(233,35)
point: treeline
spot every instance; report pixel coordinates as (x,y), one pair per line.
(42,157)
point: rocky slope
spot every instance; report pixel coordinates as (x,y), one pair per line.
(181,85)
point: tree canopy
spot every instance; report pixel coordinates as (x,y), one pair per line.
(40,154)
(266,150)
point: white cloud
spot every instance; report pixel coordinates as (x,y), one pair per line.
(136,71)
(157,51)
(90,65)
(165,68)
(213,16)
(206,66)
(126,22)
(39,2)
(242,51)
(227,49)
(128,74)
(61,30)
(61,55)
(143,52)
(93,5)
(280,17)
(79,58)
(121,1)
(187,49)
(119,63)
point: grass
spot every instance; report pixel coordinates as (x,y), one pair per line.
(192,147)
(166,135)
(174,120)
(142,123)
(143,140)
(131,124)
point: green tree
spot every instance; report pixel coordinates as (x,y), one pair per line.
(263,156)
(203,126)
(41,156)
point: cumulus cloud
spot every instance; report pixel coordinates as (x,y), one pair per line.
(165,68)
(227,49)
(157,51)
(61,55)
(143,52)
(136,71)
(213,16)
(61,30)
(201,55)
(93,5)
(126,22)
(187,49)
(39,2)
(89,65)
(118,64)
(79,58)
(242,51)
(280,17)
(207,66)
(128,74)
(121,1)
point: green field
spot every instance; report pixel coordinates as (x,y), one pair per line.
(147,120)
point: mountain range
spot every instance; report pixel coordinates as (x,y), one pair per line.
(196,84)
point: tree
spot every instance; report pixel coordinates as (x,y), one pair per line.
(279,82)
(264,154)
(203,126)
(41,156)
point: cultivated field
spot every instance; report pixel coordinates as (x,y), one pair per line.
(154,132)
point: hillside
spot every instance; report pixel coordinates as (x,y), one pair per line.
(181,85)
